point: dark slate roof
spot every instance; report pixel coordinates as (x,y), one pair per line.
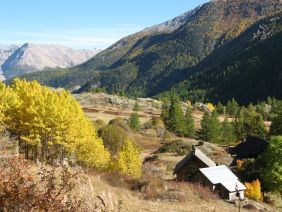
(196,153)
(250,147)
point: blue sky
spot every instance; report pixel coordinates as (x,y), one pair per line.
(83,23)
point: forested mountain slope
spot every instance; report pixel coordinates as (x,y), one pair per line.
(151,58)
(155,59)
(249,68)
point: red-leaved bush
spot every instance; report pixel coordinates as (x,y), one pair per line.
(47,190)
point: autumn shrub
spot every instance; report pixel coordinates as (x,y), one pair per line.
(178,147)
(99,124)
(49,190)
(153,166)
(117,179)
(121,123)
(113,137)
(150,186)
(253,190)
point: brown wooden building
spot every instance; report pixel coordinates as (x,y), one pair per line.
(188,168)
(198,168)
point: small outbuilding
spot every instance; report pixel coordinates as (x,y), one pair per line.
(222,180)
(188,168)
(250,147)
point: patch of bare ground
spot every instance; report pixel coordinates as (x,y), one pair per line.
(154,195)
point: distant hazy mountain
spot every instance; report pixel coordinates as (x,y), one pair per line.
(18,60)
(5,53)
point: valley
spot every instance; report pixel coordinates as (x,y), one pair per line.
(198,53)
(184,115)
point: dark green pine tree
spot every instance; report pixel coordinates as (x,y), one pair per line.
(239,125)
(136,107)
(220,109)
(165,111)
(276,125)
(232,107)
(189,123)
(205,123)
(227,132)
(210,128)
(249,122)
(215,128)
(134,121)
(269,100)
(176,122)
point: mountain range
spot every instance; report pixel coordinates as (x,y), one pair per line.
(200,54)
(17,60)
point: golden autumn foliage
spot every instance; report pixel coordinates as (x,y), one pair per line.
(128,161)
(253,190)
(239,164)
(50,124)
(210,107)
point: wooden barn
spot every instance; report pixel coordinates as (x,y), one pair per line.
(196,167)
(188,168)
(250,147)
(222,180)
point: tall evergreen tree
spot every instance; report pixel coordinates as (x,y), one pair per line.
(220,109)
(249,123)
(276,125)
(269,165)
(228,132)
(210,128)
(189,123)
(232,107)
(165,111)
(176,122)
(269,100)
(205,122)
(134,121)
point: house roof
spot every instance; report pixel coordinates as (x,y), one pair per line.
(251,147)
(196,153)
(231,185)
(224,176)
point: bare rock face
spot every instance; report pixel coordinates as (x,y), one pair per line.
(29,57)
(5,52)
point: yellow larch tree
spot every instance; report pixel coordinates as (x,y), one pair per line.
(50,124)
(128,160)
(254,190)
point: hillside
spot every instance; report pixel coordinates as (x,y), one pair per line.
(64,132)
(247,68)
(153,60)
(18,60)
(140,71)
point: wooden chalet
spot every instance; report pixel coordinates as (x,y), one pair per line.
(198,168)
(188,168)
(222,180)
(250,147)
